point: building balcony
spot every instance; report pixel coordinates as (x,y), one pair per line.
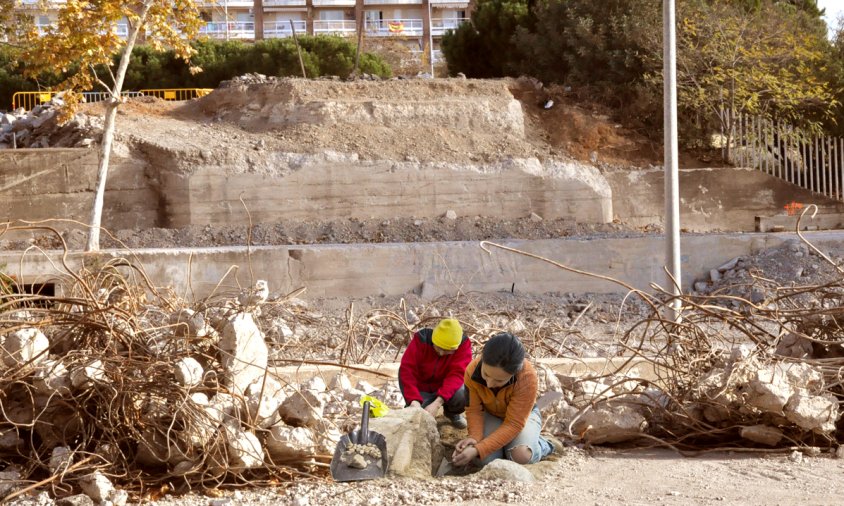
(452,4)
(394,28)
(226,3)
(341,27)
(333,3)
(230,30)
(281,29)
(285,3)
(441,25)
(392,2)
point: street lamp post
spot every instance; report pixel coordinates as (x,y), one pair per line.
(672,186)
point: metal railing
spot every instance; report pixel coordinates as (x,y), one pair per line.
(231,30)
(279,29)
(29,99)
(393,27)
(339,27)
(441,25)
(813,162)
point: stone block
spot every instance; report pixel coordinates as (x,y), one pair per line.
(413,442)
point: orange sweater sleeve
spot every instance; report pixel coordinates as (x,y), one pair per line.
(518,412)
(474,411)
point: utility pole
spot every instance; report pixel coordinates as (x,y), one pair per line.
(672,185)
(430,39)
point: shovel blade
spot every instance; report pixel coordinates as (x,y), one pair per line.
(374,468)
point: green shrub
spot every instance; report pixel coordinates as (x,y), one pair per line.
(219,60)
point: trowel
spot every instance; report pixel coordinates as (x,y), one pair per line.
(445,468)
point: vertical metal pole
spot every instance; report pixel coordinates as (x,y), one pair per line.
(672,185)
(430,39)
(226,15)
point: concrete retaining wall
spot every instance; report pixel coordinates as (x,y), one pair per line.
(331,187)
(38,184)
(710,199)
(430,269)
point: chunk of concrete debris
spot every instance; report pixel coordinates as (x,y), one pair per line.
(315,384)
(244,352)
(817,413)
(235,450)
(87,375)
(52,377)
(188,372)
(263,398)
(290,443)
(60,459)
(10,479)
(610,424)
(450,215)
(548,381)
(9,439)
(516,327)
(507,470)
(769,390)
(99,488)
(762,434)
(75,500)
(365,387)
(24,346)
(302,409)
(413,442)
(535,218)
(340,383)
(187,322)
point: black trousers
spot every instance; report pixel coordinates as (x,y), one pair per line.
(452,407)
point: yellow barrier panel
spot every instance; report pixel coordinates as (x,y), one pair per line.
(177,93)
(29,99)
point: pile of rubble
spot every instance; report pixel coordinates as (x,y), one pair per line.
(103,388)
(39,128)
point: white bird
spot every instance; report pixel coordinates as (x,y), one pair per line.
(255,296)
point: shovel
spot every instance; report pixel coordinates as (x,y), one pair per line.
(375,467)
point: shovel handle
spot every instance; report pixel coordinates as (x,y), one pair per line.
(364,424)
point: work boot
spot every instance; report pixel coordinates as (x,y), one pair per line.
(458,421)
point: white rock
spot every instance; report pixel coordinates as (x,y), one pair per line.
(548,381)
(24,346)
(263,398)
(52,377)
(609,424)
(365,387)
(189,372)
(244,352)
(503,469)
(9,439)
(340,383)
(302,409)
(10,479)
(450,215)
(290,443)
(315,384)
(86,376)
(516,327)
(236,451)
(200,398)
(769,390)
(763,434)
(97,486)
(535,218)
(817,413)
(60,459)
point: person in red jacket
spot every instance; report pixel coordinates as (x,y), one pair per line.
(432,370)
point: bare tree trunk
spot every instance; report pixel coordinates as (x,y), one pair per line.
(108,132)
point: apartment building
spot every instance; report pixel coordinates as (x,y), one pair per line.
(410,20)
(237,19)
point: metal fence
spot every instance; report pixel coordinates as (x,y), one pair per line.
(813,162)
(27,100)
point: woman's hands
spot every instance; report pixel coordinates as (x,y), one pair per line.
(464,452)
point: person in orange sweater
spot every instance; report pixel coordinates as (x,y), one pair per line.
(503,419)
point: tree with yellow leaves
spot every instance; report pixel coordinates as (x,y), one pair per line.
(85,38)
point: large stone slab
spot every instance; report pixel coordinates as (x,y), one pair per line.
(413,442)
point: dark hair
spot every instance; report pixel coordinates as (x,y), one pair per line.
(504,351)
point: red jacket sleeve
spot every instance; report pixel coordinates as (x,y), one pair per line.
(456,369)
(408,371)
